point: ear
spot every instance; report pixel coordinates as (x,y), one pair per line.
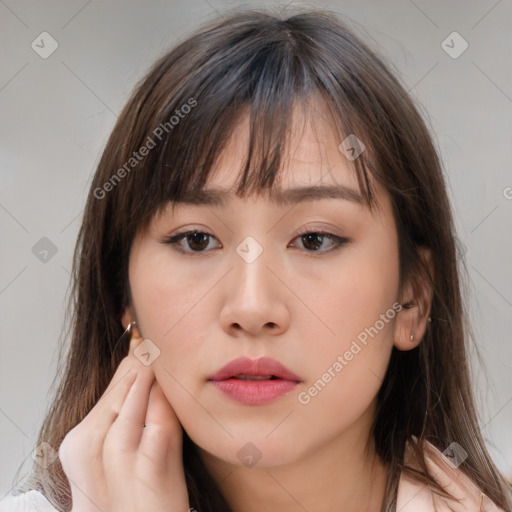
(412,320)
(128,317)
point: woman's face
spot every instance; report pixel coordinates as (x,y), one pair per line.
(254,287)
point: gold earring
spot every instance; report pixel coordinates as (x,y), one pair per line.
(130,327)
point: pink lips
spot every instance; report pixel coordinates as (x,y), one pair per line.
(236,380)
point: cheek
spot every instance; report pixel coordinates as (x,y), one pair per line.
(167,295)
(351,300)
(341,403)
(171,309)
(345,376)
(346,367)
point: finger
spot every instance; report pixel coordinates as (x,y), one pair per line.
(160,411)
(127,363)
(161,440)
(135,341)
(126,430)
(81,451)
(107,409)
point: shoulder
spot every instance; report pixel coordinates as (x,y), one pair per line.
(414,496)
(30,501)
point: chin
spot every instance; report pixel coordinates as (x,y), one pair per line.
(253,449)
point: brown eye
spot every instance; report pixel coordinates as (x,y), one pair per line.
(196,241)
(314,240)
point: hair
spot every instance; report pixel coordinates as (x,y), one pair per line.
(264,63)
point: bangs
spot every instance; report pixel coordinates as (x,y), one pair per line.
(265,75)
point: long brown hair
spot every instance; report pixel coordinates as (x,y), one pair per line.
(183,111)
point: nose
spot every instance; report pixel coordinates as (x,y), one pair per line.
(255,299)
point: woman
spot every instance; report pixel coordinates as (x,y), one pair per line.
(269,222)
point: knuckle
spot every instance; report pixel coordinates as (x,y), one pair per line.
(69,448)
(130,362)
(126,363)
(114,447)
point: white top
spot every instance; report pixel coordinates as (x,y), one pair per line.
(30,501)
(412,496)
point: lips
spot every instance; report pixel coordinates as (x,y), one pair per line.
(264,368)
(254,381)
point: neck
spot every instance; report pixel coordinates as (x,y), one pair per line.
(343,475)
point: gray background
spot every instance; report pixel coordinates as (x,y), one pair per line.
(56,114)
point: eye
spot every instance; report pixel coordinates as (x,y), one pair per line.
(198,241)
(313,240)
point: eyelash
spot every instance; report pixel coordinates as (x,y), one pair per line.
(175,239)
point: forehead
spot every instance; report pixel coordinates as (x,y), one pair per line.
(311,156)
(312,165)
(312,168)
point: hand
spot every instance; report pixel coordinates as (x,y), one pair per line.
(113,464)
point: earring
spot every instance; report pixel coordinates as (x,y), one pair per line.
(130,326)
(412,336)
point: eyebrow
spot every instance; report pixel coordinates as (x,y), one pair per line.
(218,197)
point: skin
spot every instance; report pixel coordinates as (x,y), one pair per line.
(114,464)
(299,306)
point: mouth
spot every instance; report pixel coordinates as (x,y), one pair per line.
(242,376)
(254,382)
(244,368)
